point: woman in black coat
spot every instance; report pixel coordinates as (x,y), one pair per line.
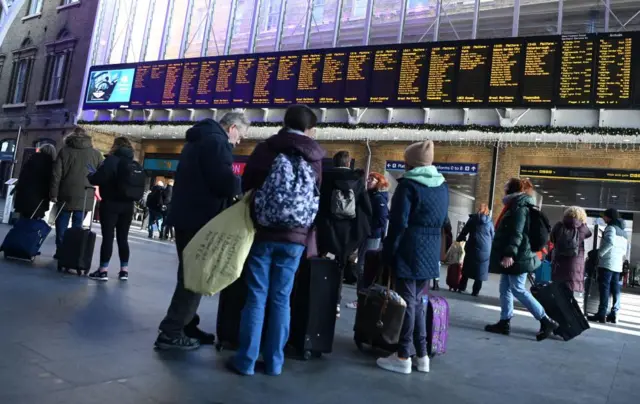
(479,229)
(33,185)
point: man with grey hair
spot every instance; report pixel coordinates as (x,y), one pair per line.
(204,186)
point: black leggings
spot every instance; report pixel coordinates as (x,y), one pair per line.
(115,216)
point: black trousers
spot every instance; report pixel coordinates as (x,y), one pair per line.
(184,303)
(115,217)
(477,285)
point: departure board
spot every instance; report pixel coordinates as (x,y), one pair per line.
(225,82)
(412,82)
(472,74)
(189,83)
(265,79)
(148,85)
(538,80)
(576,70)
(333,78)
(442,75)
(309,78)
(385,75)
(284,91)
(356,89)
(613,70)
(504,79)
(244,82)
(206,82)
(172,82)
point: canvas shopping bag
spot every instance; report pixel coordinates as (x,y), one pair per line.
(215,257)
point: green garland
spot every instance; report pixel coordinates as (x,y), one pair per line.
(427,127)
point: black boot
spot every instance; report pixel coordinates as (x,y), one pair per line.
(501,327)
(547,327)
(436,284)
(596,318)
(611,318)
(192,331)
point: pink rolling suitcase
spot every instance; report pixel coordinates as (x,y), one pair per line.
(437,325)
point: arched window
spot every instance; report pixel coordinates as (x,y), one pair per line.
(43,141)
(23,59)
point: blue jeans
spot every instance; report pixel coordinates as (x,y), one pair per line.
(270,271)
(76,217)
(609,283)
(515,285)
(155,222)
(413,337)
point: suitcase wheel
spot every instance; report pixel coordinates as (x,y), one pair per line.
(306,355)
(60,268)
(219,347)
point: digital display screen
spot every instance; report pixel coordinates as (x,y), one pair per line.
(589,71)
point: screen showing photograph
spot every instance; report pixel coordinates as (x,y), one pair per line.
(110,86)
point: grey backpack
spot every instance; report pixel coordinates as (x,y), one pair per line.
(567,242)
(343,204)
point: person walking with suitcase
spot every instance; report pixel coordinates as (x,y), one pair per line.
(205,185)
(122,182)
(69,181)
(285,172)
(568,238)
(513,258)
(32,189)
(479,231)
(412,250)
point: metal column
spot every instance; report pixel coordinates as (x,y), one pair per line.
(133,11)
(232,21)
(607,14)
(476,15)
(147,30)
(367,22)
(494,174)
(307,25)
(165,30)
(186,29)
(516,18)
(283,7)
(436,27)
(403,18)
(336,28)
(207,28)
(255,19)
(560,16)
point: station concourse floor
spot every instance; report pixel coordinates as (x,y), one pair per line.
(68,340)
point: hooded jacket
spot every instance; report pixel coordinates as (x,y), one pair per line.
(70,171)
(613,247)
(511,238)
(479,229)
(380,216)
(570,270)
(258,168)
(33,186)
(418,213)
(106,176)
(204,183)
(343,236)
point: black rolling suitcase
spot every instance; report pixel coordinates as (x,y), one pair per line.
(559,304)
(230,305)
(76,252)
(313,307)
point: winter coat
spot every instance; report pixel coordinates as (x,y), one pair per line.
(155,199)
(570,269)
(380,216)
(613,247)
(33,185)
(343,236)
(168,194)
(106,176)
(70,171)
(204,183)
(418,213)
(511,238)
(479,229)
(258,168)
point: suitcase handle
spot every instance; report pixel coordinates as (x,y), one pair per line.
(40,204)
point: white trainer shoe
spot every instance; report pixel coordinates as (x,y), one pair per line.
(395,364)
(421,364)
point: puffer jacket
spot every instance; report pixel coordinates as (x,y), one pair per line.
(479,229)
(511,238)
(613,247)
(69,180)
(380,216)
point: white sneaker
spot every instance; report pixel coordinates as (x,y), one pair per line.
(395,364)
(421,364)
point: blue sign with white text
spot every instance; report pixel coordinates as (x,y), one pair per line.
(443,168)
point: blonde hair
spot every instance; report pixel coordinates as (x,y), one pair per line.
(576,212)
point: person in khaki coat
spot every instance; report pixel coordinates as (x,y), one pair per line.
(75,161)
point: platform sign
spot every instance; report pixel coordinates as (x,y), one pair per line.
(443,168)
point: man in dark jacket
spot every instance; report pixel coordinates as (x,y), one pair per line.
(204,186)
(32,190)
(69,182)
(167,230)
(157,208)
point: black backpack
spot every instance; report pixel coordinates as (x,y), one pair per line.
(131,180)
(539,229)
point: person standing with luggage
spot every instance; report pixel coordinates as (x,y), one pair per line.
(568,259)
(611,255)
(69,182)
(278,247)
(513,259)
(122,182)
(157,208)
(344,218)
(34,182)
(205,185)
(166,232)
(412,250)
(479,231)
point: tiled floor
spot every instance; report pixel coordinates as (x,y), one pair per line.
(65,339)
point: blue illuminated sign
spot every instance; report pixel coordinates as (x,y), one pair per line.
(443,168)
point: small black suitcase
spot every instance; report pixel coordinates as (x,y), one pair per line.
(560,304)
(230,304)
(313,307)
(78,244)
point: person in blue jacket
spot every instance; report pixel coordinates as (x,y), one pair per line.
(479,230)
(412,249)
